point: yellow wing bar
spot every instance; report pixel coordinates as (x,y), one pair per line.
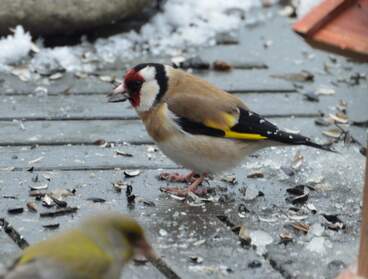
(230,122)
(245,136)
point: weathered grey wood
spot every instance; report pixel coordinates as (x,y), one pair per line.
(82,157)
(68,84)
(247,81)
(185,225)
(8,252)
(237,81)
(132,131)
(96,106)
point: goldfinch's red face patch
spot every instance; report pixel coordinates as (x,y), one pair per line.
(133,83)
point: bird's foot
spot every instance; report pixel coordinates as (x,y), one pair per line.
(184,192)
(176,177)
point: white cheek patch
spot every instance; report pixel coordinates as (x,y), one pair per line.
(148,73)
(148,95)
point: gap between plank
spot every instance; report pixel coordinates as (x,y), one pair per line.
(284,273)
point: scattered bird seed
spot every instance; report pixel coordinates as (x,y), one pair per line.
(120,185)
(341,118)
(129,190)
(37,194)
(363,151)
(288,170)
(244,235)
(162,232)
(312,208)
(129,195)
(59,202)
(231,179)
(36,160)
(132,173)
(47,201)
(140,260)
(297,161)
(255,174)
(100,142)
(242,210)
(35,178)
(175,197)
(106,78)
(226,39)
(152,149)
(311,96)
(7,169)
(96,200)
(10,197)
(321,121)
(194,63)
(56,76)
(32,207)
(325,91)
(199,242)
(297,190)
(122,153)
(288,11)
(255,264)
(252,194)
(39,187)
(334,222)
(333,133)
(196,259)
(59,212)
(286,237)
(302,227)
(298,199)
(302,76)
(51,226)
(363,124)
(15,210)
(222,66)
(149,203)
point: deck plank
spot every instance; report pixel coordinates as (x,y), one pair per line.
(96,106)
(185,225)
(119,131)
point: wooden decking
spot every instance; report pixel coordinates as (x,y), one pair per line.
(55,137)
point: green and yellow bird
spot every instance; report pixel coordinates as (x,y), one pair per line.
(98,248)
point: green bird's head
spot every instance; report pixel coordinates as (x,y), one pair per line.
(129,230)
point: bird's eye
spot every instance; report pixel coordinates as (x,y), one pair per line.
(134,85)
(133,237)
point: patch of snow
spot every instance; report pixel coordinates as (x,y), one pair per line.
(181,25)
(317,245)
(13,48)
(260,239)
(180,28)
(305,6)
(317,229)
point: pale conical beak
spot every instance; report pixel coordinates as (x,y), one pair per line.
(119,94)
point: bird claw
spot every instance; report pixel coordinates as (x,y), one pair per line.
(183,192)
(176,177)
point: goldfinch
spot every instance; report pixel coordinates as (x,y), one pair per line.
(96,249)
(196,124)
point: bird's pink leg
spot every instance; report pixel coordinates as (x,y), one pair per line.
(176,177)
(191,188)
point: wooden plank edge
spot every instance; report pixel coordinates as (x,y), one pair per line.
(363,251)
(320,15)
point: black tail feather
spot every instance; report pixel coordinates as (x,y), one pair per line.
(296,139)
